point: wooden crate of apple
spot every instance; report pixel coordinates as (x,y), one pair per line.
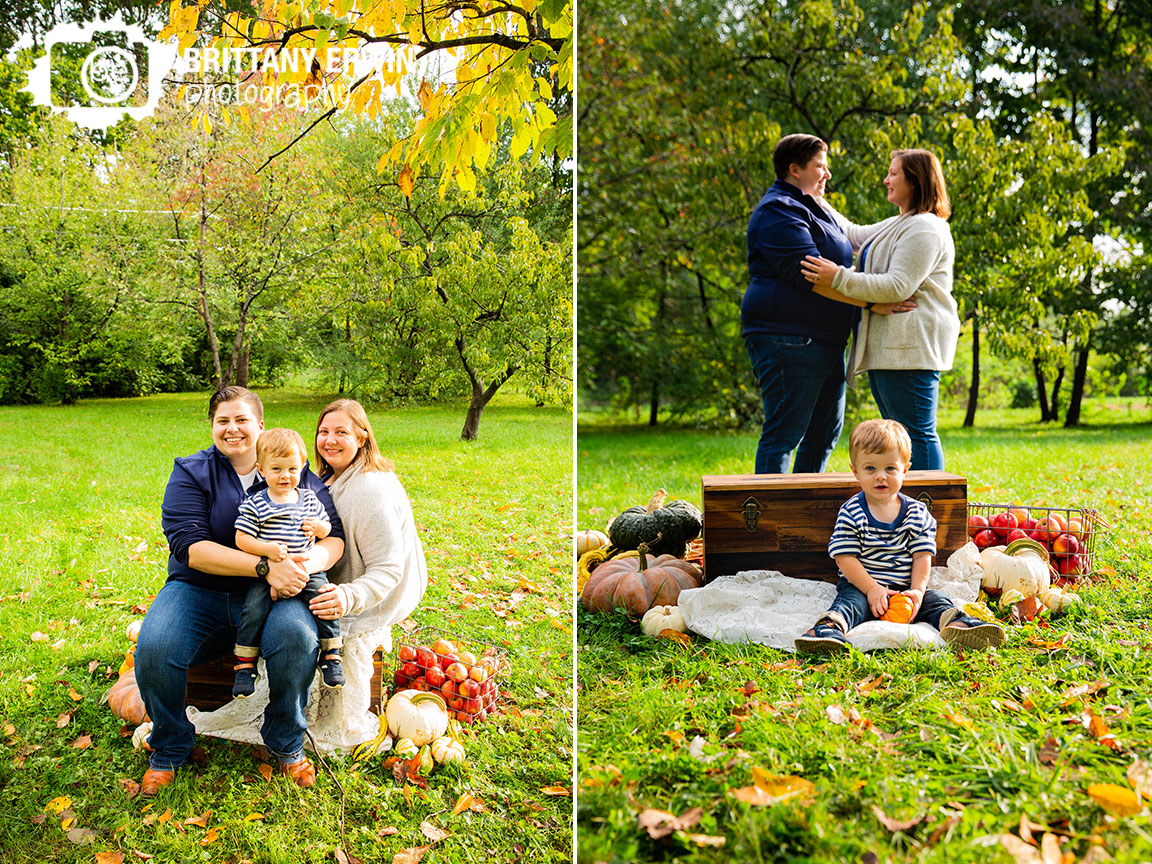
(1068,534)
(465,675)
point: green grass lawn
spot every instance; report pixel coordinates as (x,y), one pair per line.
(81,549)
(951,750)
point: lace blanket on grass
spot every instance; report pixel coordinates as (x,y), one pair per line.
(337,719)
(769,608)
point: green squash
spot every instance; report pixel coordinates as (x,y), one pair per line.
(665,528)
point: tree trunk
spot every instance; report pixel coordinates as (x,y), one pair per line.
(974,387)
(481,395)
(202,287)
(1054,402)
(347,341)
(1041,390)
(547,370)
(1072,418)
(242,368)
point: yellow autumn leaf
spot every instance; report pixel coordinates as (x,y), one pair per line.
(58,804)
(406,180)
(462,804)
(781,788)
(1117,800)
(556,791)
(210,837)
(165,816)
(266,772)
(76,697)
(958,719)
(252,817)
(559,625)
(67,822)
(526,584)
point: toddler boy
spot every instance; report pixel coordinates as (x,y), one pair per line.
(883,544)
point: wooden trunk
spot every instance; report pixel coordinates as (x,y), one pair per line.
(210,684)
(783,521)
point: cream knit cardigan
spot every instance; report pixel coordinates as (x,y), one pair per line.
(382,573)
(911,255)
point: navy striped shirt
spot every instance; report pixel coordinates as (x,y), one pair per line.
(884,548)
(264,519)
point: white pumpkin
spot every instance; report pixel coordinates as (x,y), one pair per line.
(404,747)
(417,715)
(586,541)
(447,749)
(140,736)
(1011,597)
(660,618)
(1024,571)
(133,630)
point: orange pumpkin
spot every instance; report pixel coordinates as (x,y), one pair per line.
(899,609)
(125,701)
(638,584)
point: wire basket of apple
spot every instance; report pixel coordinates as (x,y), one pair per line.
(465,672)
(1068,533)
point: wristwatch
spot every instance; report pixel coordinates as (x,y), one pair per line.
(262,566)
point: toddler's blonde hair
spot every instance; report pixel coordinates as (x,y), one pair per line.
(280,442)
(874,436)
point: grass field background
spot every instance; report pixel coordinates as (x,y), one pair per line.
(942,753)
(82,552)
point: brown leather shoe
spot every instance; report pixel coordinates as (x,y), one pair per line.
(154,781)
(302,772)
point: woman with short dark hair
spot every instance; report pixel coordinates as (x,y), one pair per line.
(795,337)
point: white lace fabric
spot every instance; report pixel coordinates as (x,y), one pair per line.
(769,608)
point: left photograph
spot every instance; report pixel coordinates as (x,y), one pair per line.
(285,393)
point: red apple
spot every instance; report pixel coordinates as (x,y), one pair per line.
(1065,544)
(469,689)
(976,524)
(985,538)
(447,660)
(457,672)
(448,688)
(435,676)
(1017,534)
(420,684)
(1021,513)
(400,680)
(456,703)
(472,706)
(1047,529)
(488,687)
(1029,524)
(464,717)
(1002,523)
(410,670)
(426,657)
(406,653)
(1075,527)
(467,658)
(482,715)
(478,674)
(1070,565)
(443,646)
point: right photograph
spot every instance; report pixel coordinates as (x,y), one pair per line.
(863,376)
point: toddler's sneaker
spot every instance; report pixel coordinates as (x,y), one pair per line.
(972,633)
(332,670)
(245,684)
(824,638)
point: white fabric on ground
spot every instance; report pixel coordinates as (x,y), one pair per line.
(769,608)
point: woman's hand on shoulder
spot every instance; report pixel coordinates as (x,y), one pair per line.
(329,603)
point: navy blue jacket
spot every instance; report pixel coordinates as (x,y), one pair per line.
(201,502)
(785,226)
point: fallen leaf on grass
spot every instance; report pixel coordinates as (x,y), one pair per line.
(344,857)
(410,856)
(778,667)
(432,832)
(462,804)
(1059,645)
(958,719)
(526,584)
(870,683)
(770,789)
(705,839)
(661,823)
(408,625)
(112,857)
(131,787)
(81,836)
(556,791)
(63,720)
(1140,776)
(682,639)
(676,736)
(83,742)
(896,824)
(1091,688)
(835,714)
(165,816)
(252,817)
(1099,730)
(38,637)
(265,772)
(1117,800)
(1049,752)
(57,805)
(200,821)
(143,856)
(559,625)
(387,831)
(76,697)
(210,837)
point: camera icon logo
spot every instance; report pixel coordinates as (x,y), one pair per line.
(109,78)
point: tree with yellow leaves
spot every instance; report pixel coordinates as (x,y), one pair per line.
(511,61)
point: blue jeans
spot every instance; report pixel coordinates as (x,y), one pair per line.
(258,603)
(850,607)
(187,625)
(802,386)
(910,397)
